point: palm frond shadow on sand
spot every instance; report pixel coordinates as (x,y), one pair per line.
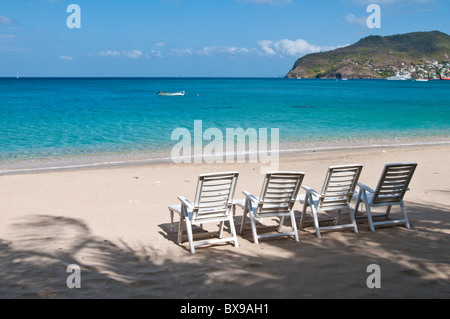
(414,263)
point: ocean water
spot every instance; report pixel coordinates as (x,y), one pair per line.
(58,122)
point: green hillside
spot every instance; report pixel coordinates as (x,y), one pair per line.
(377,57)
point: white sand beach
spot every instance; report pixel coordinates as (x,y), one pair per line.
(114,223)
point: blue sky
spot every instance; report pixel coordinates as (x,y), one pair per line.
(259,38)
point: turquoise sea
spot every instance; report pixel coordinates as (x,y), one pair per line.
(60,122)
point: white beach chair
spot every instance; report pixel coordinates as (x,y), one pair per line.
(278,195)
(337,192)
(390,191)
(213,203)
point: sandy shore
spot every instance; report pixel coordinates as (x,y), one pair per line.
(113,222)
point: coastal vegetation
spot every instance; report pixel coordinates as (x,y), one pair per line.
(417,54)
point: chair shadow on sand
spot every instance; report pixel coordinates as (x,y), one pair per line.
(414,270)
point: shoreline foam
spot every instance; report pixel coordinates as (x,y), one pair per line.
(118,161)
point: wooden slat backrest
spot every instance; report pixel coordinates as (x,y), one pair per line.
(339,186)
(393,183)
(214,196)
(279,192)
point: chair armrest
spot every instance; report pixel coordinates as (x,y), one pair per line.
(366,188)
(186,203)
(310,190)
(248,195)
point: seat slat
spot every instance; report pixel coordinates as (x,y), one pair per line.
(279,188)
(212,199)
(395,179)
(209,188)
(283,181)
(278,195)
(277,201)
(212,185)
(217,177)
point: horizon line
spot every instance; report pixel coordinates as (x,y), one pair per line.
(137,77)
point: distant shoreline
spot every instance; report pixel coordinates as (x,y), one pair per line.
(164,78)
(120,160)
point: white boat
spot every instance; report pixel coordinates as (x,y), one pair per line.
(422,80)
(171,93)
(399,77)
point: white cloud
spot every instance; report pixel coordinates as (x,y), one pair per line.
(6,36)
(66,58)
(236,50)
(266,46)
(109,53)
(160,44)
(156,53)
(5,20)
(351,18)
(206,51)
(286,47)
(281,48)
(133,54)
(182,52)
(293,48)
(232,50)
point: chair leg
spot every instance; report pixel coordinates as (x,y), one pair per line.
(281,224)
(405,217)
(302,217)
(233,232)
(370,218)
(358,201)
(171,220)
(244,216)
(294,225)
(368,211)
(255,234)
(353,218)
(316,221)
(190,235)
(221,229)
(338,215)
(388,211)
(180,229)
